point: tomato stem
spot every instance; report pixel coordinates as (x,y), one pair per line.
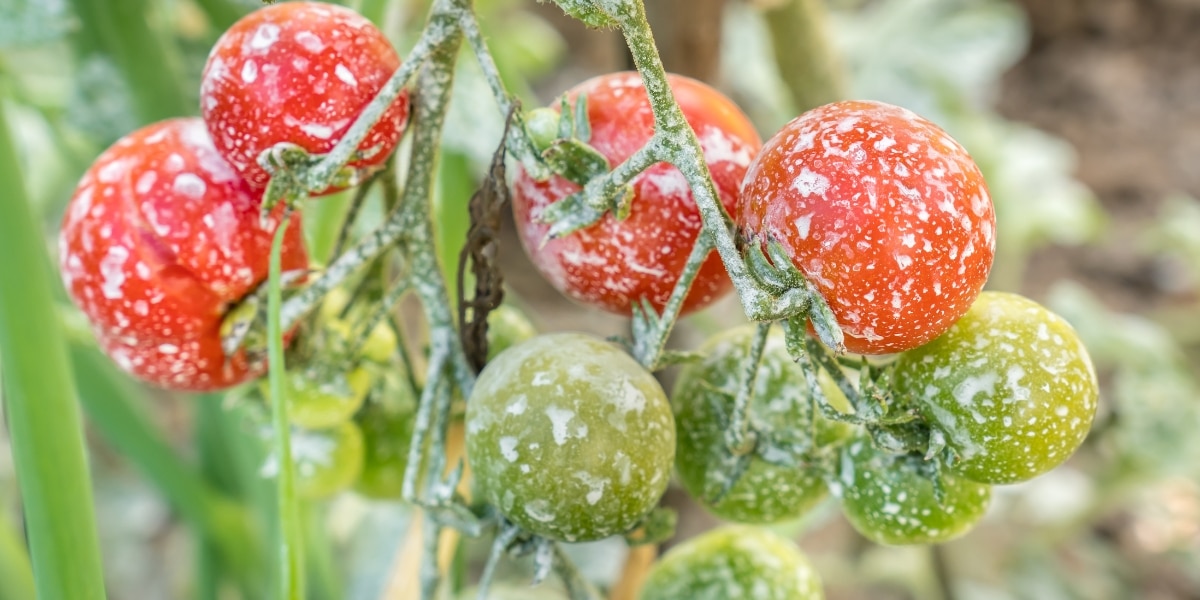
(740,438)
(291,560)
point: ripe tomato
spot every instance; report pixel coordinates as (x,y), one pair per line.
(298,72)
(1010,386)
(884,213)
(570,437)
(889,498)
(765,493)
(613,264)
(160,237)
(327,461)
(733,562)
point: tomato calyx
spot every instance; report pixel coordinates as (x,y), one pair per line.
(564,148)
(297,174)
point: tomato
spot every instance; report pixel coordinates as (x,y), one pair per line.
(299,72)
(326,461)
(160,237)
(387,426)
(889,498)
(764,493)
(1010,386)
(733,562)
(318,399)
(570,437)
(884,213)
(614,264)
(507,326)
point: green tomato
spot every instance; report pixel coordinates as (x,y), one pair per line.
(889,498)
(1010,386)
(387,427)
(570,437)
(703,400)
(327,461)
(317,401)
(507,326)
(734,561)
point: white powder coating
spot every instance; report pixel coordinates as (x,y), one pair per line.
(1009,370)
(614,264)
(582,454)
(888,498)
(734,562)
(265,36)
(190,185)
(345,75)
(249,71)
(112,270)
(863,186)
(153,258)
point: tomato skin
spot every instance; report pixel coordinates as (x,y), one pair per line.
(387,427)
(734,561)
(764,493)
(327,461)
(1010,385)
(884,213)
(159,238)
(315,403)
(613,264)
(889,501)
(569,437)
(298,72)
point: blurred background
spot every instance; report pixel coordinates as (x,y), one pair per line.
(1083,114)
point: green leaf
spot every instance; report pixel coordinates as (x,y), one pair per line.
(39,397)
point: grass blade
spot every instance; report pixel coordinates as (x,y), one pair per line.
(39,395)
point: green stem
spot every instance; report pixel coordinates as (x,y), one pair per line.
(740,438)
(650,345)
(807,62)
(39,395)
(16,574)
(291,542)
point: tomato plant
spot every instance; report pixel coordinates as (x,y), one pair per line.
(569,437)
(1010,386)
(883,212)
(890,499)
(160,237)
(733,562)
(298,72)
(616,263)
(703,400)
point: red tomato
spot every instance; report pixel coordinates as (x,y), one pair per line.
(613,264)
(884,213)
(298,72)
(160,237)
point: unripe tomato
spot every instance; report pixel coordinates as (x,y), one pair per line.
(883,212)
(160,237)
(765,493)
(889,498)
(733,562)
(387,426)
(570,437)
(298,72)
(1010,386)
(507,326)
(327,461)
(614,264)
(318,401)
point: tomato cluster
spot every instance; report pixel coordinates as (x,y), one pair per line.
(879,210)
(163,240)
(890,221)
